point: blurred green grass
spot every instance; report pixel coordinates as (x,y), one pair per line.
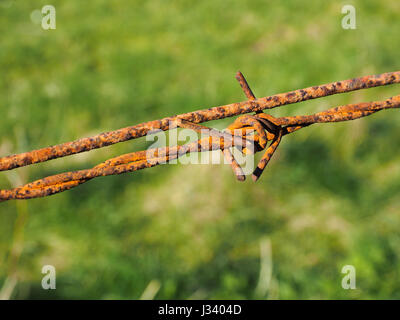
(329,198)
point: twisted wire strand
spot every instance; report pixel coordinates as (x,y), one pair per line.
(215,113)
(265,128)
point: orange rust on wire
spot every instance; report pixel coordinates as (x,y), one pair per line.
(237,170)
(137,160)
(264,126)
(267,156)
(245,86)
(264,121)
(125,163)
(215,113)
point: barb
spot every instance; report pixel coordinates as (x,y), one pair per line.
(263,127)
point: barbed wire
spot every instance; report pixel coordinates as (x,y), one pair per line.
(252,132)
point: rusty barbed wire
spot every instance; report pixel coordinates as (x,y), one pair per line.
(215,113)
(247,130)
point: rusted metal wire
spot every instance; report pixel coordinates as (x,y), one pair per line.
(215,113)
(263,127)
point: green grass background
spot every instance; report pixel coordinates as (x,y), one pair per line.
(330,196)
